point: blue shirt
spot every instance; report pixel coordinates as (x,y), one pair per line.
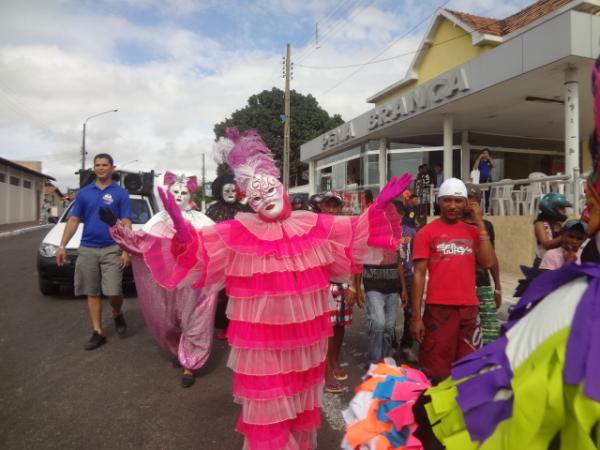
(485,169)
(88,202)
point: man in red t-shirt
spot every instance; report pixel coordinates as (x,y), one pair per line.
(448,248)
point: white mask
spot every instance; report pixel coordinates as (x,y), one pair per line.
(229,193)
(265,195)
(182,195)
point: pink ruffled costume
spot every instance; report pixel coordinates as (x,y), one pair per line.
(181,319)
(277,277)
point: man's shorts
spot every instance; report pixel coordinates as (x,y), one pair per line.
(98,270)
(451,333)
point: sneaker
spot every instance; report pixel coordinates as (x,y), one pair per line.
(187,380)
(340,374)
(333,387)
(95,341)
(120,324)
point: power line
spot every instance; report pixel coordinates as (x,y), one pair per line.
(344,22)
(325,25)
(339,83)
(412,52)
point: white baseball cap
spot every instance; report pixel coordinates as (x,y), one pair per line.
(452,187)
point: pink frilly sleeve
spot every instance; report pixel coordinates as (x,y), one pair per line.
(376,230)
(169,261)
(362,240)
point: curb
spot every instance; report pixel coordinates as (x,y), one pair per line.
(24,230)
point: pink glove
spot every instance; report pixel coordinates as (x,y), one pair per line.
(395,187)
(181,230)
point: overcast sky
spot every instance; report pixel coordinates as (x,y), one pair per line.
(174,68)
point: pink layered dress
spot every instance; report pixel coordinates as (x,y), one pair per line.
(277,278)
(181,319)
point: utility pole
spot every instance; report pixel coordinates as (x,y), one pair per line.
(286,125)
(203,202)
(83,148)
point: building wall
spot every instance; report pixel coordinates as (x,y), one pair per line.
(515,241)
(451,47)
(19,203)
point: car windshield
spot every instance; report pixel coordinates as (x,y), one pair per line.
(140,211)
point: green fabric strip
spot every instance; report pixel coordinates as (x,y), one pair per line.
(543,408)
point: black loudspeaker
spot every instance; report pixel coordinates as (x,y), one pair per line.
(86,177)
(138,183)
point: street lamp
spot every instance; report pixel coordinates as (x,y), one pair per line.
(83,152)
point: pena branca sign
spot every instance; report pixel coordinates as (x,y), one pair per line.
(420,99)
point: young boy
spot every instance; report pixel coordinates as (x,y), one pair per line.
(573,235)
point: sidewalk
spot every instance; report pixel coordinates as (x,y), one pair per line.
(13,229)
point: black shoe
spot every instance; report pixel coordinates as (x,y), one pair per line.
(95,341)
(187,380)
(120,324)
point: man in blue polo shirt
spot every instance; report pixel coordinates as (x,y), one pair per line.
(100,261)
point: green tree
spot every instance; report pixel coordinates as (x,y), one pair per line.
(264,113)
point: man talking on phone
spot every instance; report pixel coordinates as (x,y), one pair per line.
(449,248)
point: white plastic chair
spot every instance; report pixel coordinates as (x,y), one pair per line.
(544,185)
(501,200)
(527,201)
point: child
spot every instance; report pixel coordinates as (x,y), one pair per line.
(341,301)
(573,236)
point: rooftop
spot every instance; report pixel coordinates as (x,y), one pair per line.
(502,27)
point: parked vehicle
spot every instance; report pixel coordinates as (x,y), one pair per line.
(50,275)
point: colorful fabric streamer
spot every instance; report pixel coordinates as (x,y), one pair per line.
(380,416)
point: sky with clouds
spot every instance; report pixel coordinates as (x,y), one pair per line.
(174,68)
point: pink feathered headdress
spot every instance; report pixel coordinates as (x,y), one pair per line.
(247,155)
(170,179)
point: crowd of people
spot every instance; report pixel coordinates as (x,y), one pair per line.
(416,310)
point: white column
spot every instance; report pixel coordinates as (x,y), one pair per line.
(571,120)
(465,156)
(312,176)
(448,132)
(382,162)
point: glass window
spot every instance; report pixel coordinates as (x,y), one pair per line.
(15,181)
(372,169)
(140,212)
(324,179)
(27,184)
(338,177)
(353,173)
(2,178)
(398,163)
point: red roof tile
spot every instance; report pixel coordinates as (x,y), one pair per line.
(501,27)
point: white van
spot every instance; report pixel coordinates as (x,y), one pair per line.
(51,276)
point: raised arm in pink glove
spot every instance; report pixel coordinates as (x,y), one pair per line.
(181,230)
(394,187)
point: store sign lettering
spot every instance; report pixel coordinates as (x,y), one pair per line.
(339,135)
(420,99)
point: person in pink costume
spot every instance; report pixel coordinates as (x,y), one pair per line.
(181,319)
(276,266)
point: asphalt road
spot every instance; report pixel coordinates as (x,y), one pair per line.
(126,394)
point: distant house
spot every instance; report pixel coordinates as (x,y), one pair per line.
(53,200)
(21,192)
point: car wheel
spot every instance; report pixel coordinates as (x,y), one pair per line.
(48,287)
